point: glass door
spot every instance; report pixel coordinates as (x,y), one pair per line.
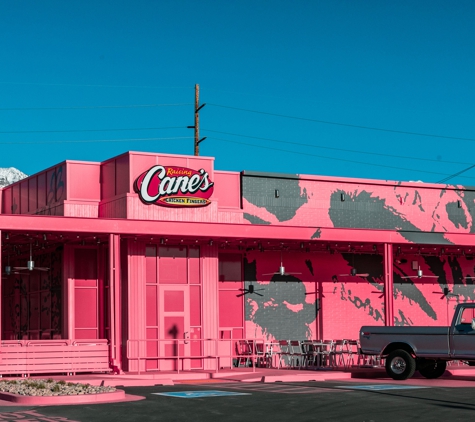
(174,327)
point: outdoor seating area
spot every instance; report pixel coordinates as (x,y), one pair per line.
(303,354)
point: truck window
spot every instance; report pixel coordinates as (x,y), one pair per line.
(467,316)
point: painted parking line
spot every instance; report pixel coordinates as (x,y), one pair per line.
(380,387)
(280,388)
(200,394)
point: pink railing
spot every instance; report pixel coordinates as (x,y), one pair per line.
(224,353)
(27,357)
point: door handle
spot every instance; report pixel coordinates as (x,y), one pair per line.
(185,337)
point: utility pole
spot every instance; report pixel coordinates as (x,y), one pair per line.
(196,127)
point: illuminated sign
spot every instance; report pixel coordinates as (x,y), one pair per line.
(174,187)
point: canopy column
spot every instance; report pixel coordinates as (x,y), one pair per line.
(210,299)
(114,300)
(1,287)
(388,284)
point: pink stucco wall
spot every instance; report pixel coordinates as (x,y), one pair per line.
(423,205)
(141,288)
(71,188)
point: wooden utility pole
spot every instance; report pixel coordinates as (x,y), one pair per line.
(198,107)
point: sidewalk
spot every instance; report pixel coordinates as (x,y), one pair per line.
(456,376)
(243,375)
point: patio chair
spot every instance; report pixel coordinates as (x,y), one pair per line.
(284,352)
(244,353)
(325,356)
(338,353)
(310,354)
(296,354)
(263,357)
(352,350)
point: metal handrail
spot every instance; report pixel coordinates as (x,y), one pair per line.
(212,343)
(47,343)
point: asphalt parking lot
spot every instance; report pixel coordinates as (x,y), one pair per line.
(307,401)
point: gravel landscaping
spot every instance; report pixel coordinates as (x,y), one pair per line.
(50,387)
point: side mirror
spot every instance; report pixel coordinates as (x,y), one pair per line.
(473,324)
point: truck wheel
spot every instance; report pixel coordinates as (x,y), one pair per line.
(400,365)
(433,369)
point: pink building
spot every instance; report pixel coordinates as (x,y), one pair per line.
(150,262)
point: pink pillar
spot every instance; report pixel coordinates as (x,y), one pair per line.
(388,285)
(134,315)
(1,297)
(209,277)
(114,300)
(69,308)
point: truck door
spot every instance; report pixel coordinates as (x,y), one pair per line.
(463,336)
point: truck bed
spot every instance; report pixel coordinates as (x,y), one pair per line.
(425,341)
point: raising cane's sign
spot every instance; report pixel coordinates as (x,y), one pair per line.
(174,187)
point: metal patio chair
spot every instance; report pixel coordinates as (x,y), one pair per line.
(244,353)
(296,354)
(284,353)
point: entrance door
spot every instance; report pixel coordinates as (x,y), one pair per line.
(174,327)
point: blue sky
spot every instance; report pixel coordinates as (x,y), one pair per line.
(289,86)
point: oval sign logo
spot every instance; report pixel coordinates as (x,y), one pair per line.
(174,187)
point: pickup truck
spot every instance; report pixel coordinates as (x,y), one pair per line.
(426,349)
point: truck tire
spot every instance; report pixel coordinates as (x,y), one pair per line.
(434,369)
(400,365)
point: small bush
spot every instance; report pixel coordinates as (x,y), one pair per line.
(32,384)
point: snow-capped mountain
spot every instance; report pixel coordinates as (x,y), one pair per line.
(10,175)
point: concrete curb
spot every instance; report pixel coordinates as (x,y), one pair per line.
(118,395)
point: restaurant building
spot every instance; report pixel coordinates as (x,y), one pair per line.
(154,262)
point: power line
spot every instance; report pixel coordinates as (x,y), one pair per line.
(98,86)
(92,130)
(98,140)
(93,107)
(456,174)
(344,124)
(337,149)
(332,158)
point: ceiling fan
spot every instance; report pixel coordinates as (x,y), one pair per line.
(354,273)
(446,292)
(251,290)
(379,292)
(281,269)
(420,275)
(8,270)
(30,265)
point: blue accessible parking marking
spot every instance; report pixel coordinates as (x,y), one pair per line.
(199,394)
(379,387)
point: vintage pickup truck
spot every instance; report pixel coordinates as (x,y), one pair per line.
(426,349)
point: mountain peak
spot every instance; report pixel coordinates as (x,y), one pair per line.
(10,175)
